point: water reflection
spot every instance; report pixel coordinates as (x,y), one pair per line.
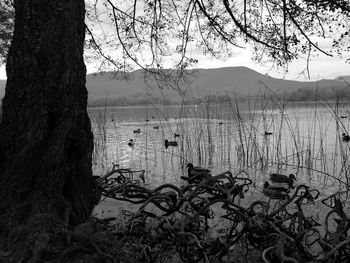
(306,138)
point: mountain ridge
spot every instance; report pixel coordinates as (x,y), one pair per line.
(232,81)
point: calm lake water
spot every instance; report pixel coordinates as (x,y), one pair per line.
(250,140)
(306,139)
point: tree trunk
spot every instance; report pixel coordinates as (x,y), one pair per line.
(46,141)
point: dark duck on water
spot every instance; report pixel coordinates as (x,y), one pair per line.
(196,173)
(276,188)
(196,170)
(137,131)
(281,178)
(170,143)
(345,137)
(131,142)
(275,192)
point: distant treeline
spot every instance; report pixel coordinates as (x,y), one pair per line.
(307,94)
(302,94)
(147,100)
(124,101)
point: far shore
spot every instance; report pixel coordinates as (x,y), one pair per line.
(239,100)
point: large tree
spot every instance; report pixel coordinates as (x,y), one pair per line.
(147,33)
(6,28)
(45,135)
(46,141)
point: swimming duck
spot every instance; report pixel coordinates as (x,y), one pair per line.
(156,127)
(137,131)
(281,178)
(169,143)
(176,135)
(268,133)
(275,192)
(345,137)
(196,171)
(131,142)
(276,188)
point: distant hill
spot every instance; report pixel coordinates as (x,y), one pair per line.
(233,81)
(342,78)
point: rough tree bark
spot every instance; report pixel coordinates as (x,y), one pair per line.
(46,141)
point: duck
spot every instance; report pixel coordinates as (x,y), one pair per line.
(221,123)
(281,178)
(268,133)
(276,188)
(275,192)
(176,135)
(345,137)
(156,127)
(137,131)
(131,143)
(197,171)
(169,143)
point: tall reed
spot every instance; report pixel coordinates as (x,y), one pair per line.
(231,135)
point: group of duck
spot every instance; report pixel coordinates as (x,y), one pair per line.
(139,130)
(167,143)
(280,188)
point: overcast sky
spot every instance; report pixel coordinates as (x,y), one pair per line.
(320,67)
